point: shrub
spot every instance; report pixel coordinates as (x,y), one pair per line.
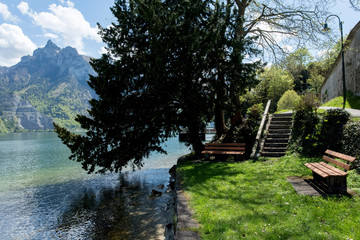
(312,137)
(288,100)
(308,102)
(351,141)
(247,131)
(306,123)
(332,129)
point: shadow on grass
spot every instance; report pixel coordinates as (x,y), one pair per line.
(255,200)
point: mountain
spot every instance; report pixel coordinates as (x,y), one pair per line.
(51,85)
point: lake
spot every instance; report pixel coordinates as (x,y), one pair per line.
(44,195)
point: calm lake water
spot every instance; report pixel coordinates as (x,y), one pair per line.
(44,195)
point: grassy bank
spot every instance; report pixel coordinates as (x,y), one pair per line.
(253,200)
(351,102)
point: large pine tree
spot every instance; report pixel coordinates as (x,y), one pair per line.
(170,64)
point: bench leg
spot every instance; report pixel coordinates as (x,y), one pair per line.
(336,184)
(332,184)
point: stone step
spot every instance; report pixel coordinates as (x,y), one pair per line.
(277,140)
(273,154)
(275,149)
(278,135)
(282,118)
(275,144)
(285,123)
(279,126)
(282,115)
(279,130)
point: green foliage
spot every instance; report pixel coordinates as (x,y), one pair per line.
(351,141)
(62,107)
(288,101)
(297,64)
(308,102)
(317,77)
(254,200)
(169,65)
(246,132)
(332,129)
(11,125)
(3,128)
(274,83)
(312,137)
(304,126)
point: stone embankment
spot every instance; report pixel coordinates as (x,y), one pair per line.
(183,225)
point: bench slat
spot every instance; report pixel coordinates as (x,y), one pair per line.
(223,152)
(314,168)
(340,155)
(339,172)
(225,148)
(336,162)
(325,170)
(225,144)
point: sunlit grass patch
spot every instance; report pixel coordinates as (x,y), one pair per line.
(351,102)
(254,200)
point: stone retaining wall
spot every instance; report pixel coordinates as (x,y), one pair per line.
(333,85)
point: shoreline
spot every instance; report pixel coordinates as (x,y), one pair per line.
(182,224)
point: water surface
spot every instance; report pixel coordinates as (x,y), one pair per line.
(43,195)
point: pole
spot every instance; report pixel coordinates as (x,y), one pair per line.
(342,55)
(343,64)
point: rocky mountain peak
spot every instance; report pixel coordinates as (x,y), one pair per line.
(51,45)
(52,82)
(49,51)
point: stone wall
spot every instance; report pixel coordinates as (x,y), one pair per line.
(332,87)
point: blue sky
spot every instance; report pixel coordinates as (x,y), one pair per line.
(27,25)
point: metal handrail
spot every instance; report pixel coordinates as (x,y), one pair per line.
(255,150)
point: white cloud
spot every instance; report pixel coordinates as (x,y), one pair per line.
(23,7)
(66,22)
(6,14)
(13,44)
(51,35)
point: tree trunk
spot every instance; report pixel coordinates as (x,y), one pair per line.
(220,125)
(195,139)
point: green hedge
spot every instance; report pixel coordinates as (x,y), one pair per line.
(312,135)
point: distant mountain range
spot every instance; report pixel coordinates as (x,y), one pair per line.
(51,85)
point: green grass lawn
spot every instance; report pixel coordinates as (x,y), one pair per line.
(351,102)
(253,200)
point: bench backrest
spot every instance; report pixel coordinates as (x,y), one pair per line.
(225,144)
(229,146)
(331,156)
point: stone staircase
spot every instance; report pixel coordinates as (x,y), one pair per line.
(278,134)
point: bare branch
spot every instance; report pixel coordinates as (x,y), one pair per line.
(355,4)
(275,22)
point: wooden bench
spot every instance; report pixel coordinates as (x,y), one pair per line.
(332,178)
(224,149)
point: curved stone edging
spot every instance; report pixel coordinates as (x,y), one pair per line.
(184,222)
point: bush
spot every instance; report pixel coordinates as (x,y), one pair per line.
(288,100)
(351,141)
(306,124)
(247,131)
(312,137)
(332,129)
(308,102)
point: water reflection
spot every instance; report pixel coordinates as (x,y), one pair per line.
(114,206)
(43,195)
